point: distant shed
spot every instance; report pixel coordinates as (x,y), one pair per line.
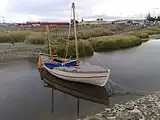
(48,23)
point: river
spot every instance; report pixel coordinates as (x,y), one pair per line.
(23,95)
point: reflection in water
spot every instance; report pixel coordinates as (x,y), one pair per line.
(52,100)
(23,96)
(79,91)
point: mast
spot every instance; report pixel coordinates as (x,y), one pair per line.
(49,44)
(75,32)
(46,34)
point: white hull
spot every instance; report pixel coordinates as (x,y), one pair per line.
(99,79)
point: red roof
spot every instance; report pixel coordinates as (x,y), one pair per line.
(48,23)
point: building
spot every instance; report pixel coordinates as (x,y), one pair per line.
(130,22)
(47,23)
(93,22)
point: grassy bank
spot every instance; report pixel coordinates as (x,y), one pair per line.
(17,36)
(60,48)
(101,38)
(114,42)
(105,43)
(146,32)
(83,32)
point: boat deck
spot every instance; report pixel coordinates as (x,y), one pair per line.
(83,67)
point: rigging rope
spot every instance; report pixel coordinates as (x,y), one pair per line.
(94,53)
(68,35)
(83,50)
(76,37)
(111,87)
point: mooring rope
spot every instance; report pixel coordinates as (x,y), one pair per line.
(111,88)
(94,53)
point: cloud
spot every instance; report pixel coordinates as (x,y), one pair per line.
(39,8)
(49,10)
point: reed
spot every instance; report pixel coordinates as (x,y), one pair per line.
(60,48)
(35,38)
(16,36)
(114,42)
(105,43)
(100,37)
(144,33)
(83,32)
(4,37)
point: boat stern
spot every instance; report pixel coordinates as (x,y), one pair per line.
(106,80)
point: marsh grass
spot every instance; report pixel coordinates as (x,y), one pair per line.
(104,38)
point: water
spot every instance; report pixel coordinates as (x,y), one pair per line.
(23,95)
(137,68)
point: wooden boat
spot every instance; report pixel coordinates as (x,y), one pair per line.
(84,73)
(73,70)
(78,90)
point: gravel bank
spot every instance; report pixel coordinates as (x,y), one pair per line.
(144,108)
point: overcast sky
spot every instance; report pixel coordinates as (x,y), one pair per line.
(59,10)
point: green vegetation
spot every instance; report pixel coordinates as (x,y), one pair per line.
(4,38)
(140,33)
(106,38)
(83,32)
(93,118)
(59,48)
(115,42)
(35,38)
(104,43)
(17,36)
(145,32)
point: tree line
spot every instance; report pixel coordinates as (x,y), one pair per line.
(151,18)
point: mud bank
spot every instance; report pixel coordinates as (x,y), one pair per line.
(18,51)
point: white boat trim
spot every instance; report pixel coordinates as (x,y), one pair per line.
(95,79)
(85,72)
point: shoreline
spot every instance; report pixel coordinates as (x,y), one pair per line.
(144,108)
(23,50)
(107,38)
(18,51)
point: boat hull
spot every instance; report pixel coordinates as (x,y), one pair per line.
(99,79)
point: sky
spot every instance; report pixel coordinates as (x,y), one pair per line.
(59,10)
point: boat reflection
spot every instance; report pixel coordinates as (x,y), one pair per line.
(78,90)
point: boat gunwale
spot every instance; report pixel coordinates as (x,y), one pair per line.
(84,72)
(55,57)
(77,76)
